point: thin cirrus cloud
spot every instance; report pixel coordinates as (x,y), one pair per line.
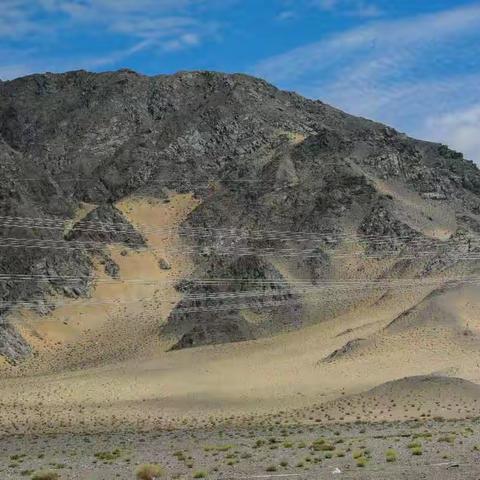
(156,25)
(460,127)
(357,8)
(404,72)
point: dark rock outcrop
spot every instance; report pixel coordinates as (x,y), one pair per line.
(229,327)
(303,174)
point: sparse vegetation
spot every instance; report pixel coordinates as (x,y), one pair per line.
(46,475)
(361,462)
(108,456)
(391,455)
(149,471)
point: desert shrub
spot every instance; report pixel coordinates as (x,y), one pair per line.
(357,454)
(200,475)
(323,447)
(361,462)
(46,475)
(391,455)
(447,439)
(108,456)
(416,451)
(271,468)
(149,471)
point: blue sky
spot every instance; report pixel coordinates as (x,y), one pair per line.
(410,63)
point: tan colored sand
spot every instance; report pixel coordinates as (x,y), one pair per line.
(121,374)
(257,377)
(116,309)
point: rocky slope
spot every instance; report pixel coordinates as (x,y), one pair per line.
(289,189)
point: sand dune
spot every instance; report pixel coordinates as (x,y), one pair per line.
(106,367)
(257,377)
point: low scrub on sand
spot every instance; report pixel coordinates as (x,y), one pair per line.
(149,471)
(361,462)
(46,475)
(391,455)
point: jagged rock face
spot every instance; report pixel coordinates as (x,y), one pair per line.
(248,280)
(231,327)
(257,157)
(105,224)
(12,345)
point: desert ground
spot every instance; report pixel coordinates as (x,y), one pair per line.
(428,449)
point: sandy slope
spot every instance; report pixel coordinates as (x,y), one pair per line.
(262,376)
(119,318)
(119,373)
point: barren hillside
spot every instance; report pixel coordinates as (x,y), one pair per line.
(164,237)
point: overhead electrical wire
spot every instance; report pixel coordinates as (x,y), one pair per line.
(40,222)
(295,295)
(243,280)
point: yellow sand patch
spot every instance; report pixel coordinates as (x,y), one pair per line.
(112,297)
(294,137)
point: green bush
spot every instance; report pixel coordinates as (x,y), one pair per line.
(391,455)
(46,475)
(149,471)
(108,456)
(357,454)
(361,462)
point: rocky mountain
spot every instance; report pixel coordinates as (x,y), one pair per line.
(293,195)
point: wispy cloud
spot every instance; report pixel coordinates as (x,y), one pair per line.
(358,8)
(156,25)
(461,127)
(286,15)
(402,72)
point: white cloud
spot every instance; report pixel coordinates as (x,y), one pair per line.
(357,8)
(400,72)
(372,45)
(159,25)
(286,15)
(459,129)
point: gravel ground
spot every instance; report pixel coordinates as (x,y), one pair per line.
(415,450)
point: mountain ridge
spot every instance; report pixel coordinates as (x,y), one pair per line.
(256,158)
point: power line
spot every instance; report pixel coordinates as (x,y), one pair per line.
(244,280)
(233,250)
(38,222)
(253,295)
(207,233)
